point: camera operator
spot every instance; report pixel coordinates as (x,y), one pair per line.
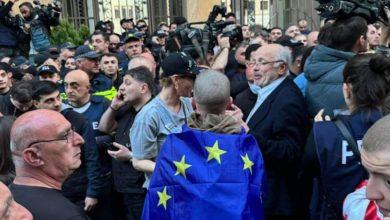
(158,45)
(143,28)
(10,33)
(36,22)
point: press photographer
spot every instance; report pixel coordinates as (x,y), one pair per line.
(198,42)
(36,21)
(10,33)
(158,45)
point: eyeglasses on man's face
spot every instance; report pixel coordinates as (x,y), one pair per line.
(262,62)
(68,137)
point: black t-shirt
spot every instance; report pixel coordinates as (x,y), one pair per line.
(126,178)
(45,203)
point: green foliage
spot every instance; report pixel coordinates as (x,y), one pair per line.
(67,32)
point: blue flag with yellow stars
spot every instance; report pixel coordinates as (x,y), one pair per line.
(204,175)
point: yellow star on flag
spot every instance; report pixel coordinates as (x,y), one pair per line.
(215,152)
(163,198)
(181,166)
(247,163)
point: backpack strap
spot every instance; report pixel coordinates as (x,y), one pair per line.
(347,135)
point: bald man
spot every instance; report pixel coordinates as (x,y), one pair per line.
(46,151)
(375,156)
(312,38)
(143,60)
(77,89)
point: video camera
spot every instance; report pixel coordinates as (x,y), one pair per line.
(197,42)
(371,10)
(52,10)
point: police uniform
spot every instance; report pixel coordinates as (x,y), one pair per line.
(341,171)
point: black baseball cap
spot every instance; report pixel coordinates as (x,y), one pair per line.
(86,51)
(133,36)
(125,20)
(179,63)
(47,69)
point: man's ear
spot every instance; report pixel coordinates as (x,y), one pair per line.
(282,69)
(230,102)
(145,88)
(31,156)
(363,42)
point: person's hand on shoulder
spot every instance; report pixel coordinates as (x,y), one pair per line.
(320,116)
(237,114)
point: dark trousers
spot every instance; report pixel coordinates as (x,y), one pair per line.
(128,206)
(102,211)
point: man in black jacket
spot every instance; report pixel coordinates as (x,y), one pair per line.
(279,122)
(10,33)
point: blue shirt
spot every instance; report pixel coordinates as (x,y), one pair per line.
(301,82)
(263,93)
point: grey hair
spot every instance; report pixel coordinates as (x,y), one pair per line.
(142,60)
(212,91)
(284,54)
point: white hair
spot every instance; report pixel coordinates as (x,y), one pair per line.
(284,54)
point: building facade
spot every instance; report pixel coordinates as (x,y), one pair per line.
(268,13)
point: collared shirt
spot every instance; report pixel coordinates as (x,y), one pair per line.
(263,93)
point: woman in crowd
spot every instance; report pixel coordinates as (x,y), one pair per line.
(329,156)
(7,168)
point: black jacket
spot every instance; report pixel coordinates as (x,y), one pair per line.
(246,100)
(10,33)
(280,126)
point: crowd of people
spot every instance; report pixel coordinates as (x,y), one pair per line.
(279,123)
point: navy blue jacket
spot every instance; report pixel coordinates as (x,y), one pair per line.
(100,82)
(85,180)
(340,169)
(280,126)
(93,114)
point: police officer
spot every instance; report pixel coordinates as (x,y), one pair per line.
(77,88)
(87,60)
(366,88)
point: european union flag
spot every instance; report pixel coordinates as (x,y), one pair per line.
(204,175)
